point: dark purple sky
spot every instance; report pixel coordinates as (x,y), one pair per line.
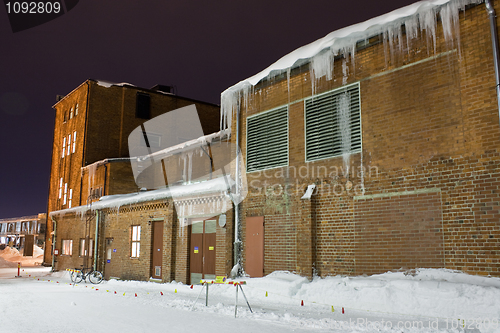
(201,47)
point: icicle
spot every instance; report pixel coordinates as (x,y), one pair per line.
(190,165)
(428,22)
(288,70)
(411,28)
(344,115)
(345,71)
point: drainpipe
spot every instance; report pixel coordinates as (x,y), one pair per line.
(54,224)
(95,239)
(237,241)
(494,40)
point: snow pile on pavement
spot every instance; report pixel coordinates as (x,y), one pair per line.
(12,255)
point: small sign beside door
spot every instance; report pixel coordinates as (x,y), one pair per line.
(196,249)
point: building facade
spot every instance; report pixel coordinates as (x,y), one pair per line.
(23,233)
(395,124)
(93,123)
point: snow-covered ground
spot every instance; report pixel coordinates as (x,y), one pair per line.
(426,300)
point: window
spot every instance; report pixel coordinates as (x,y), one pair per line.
(154,140)
(333,123)
(70,198)
(76,109)
(60,187)
(74,142)
(83,250)
(136,241)
(142,106)
(67,247)
(267,140)
(65,193)
(69,144)
(63,147)
(71,113)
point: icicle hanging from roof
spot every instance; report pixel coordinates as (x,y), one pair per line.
(418,16)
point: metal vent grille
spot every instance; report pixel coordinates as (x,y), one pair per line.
(267,140)
(323,119)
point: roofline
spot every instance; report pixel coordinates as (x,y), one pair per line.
(128,85)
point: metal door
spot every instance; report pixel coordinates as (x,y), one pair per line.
(255,246)
(157,248)
(202,250)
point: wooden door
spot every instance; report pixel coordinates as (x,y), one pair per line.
(157,248)
(29,241)
(255,246)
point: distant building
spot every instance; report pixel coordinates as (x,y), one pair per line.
(23,232)
(92,123)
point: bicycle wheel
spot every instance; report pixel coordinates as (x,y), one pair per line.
(95,277)
(76,276)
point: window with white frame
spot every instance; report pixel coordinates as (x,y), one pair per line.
(63,148)
(60,187)
(71,113)
(76,109)
(136,241)
(65,193)
(67,247)
(69,145)
(74,142)
(70,201)
(267,140)
(333,123)
(83,249)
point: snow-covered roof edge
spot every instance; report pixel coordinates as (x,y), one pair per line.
(343,41)
(217,185)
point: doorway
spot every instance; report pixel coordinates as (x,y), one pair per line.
(157,248)
(255,246)
(202,250)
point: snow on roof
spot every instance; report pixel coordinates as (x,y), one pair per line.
(421,15)
(108,84)
(217,185)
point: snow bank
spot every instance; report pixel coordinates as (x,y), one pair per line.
(11,256)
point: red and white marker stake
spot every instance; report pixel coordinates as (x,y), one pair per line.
(18,270)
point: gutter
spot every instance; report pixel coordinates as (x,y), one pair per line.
(494,41)
(54,224)
(237,241)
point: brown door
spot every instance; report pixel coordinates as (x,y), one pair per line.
(202,250)
(255,246)
(157,249)
(29,240)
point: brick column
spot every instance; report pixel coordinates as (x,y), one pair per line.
(305,239)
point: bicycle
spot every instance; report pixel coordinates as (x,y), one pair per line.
(78,275)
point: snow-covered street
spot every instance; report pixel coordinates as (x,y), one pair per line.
(425,301)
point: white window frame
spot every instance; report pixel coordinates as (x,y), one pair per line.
(67,247)
(65,193)
(60,187)
(69,145)
(82,247)
(74,143)
(70,201)
(64,147)
(135,251)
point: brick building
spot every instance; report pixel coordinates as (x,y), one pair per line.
(23,232)
(372,149)
(90,147)
(395,124)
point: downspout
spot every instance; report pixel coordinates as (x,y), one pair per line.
(237,241)
(54,224)
(494,41)
(95,239)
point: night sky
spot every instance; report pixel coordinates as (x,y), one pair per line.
(201,47)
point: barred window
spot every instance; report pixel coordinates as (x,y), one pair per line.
(333,123)
(267,140)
